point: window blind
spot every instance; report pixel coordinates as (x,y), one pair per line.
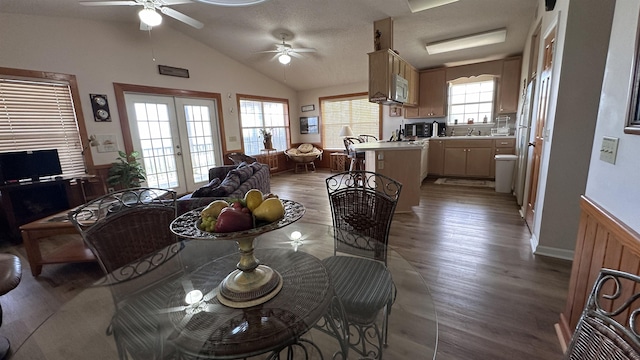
(356,111)
(40,115)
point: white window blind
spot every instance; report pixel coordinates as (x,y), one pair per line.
(40,115)
(471,99)
(356,111)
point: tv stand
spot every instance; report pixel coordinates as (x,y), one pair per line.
(24,202)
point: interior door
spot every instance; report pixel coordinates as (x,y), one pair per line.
(539,130)
(178,139)
(523,134)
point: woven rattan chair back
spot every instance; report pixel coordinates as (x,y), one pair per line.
(126,225)
(362,207)
(607,328)
(238,158)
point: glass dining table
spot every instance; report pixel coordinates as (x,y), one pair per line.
(173,312)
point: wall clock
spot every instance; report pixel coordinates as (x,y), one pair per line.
(100,107)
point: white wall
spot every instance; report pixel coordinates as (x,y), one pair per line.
(101,53)
(615,187)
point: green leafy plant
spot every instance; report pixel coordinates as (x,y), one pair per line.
(127,172)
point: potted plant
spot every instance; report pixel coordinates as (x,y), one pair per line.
(127,172)
(266,135)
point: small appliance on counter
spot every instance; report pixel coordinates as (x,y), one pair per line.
(438,129)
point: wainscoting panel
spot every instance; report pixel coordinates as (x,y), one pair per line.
(603,242)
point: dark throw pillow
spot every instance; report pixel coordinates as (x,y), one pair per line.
(207,190)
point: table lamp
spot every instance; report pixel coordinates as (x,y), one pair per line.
(345,131)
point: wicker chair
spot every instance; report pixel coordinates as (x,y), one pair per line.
(238,158)
(304,156)
(128,231)
(357,158)
(368,138)
(362,207)
(607,328)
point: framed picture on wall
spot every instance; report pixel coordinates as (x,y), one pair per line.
(309,125)
(395,111)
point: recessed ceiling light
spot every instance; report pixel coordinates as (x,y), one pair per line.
(469,41)
(420,5)
(232,2)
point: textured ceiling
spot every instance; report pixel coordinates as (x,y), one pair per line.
(340,30)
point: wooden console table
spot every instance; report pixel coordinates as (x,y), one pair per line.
(271,158)
(40,230)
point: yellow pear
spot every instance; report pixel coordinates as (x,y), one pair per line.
(253,199)
(213,209)
(270,210)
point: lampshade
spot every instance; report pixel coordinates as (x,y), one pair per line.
(345,131)
(466,42)
(284,59)
(150,17)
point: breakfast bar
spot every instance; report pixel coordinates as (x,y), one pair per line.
(404,161)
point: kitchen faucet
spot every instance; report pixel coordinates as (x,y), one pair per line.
(470,131)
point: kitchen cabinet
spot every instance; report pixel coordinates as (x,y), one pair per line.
(469,158)
(383,65)
(436,156)
(432,96)
(509,88)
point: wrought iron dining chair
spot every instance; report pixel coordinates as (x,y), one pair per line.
(607,328)
(362,207)
(128,232)
(357,157)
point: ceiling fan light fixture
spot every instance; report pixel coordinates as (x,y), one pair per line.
(284,59)
(421,5)
(469,41)
(150,17)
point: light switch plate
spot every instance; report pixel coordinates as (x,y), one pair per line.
(609,149)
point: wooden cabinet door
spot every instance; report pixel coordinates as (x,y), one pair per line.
(479,162)
(436,157)
(509,86)
(433,93)
(380,66)
(455,161)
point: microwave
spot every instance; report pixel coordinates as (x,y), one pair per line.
(400,89)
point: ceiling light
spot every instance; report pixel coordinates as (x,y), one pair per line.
(150,17)
(420,5)
(469,41)
(232,2)
(284,59)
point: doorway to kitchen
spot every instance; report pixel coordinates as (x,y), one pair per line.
(178,137)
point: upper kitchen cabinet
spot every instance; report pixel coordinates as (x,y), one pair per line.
(509,86)
(384,86)
(432,97)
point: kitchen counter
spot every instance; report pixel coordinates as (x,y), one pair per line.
(389,145)
(473,137)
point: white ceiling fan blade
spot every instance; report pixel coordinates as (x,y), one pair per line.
(175,2)
(182,17)
(267,51)
(275,56)
(303,50)
(295,54)
(110,3)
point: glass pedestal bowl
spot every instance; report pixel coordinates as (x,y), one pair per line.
(251,283)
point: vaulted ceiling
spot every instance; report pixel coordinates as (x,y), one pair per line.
(340,30)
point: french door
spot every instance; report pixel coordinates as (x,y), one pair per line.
(178,139)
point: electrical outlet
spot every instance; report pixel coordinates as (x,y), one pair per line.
(609,149)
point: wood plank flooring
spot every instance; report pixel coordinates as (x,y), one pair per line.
(494,299)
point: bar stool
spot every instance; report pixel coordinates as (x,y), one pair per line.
(10,275)
(357,158)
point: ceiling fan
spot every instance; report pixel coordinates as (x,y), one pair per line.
(284,52)
(148,16)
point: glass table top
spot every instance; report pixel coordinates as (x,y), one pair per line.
(79,329)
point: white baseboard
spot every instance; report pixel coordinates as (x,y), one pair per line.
(554,252)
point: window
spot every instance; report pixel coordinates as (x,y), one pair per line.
(39,114)
(263,114)
(354,110)
(471,99)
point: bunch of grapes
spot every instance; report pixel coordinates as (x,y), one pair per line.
(207,223)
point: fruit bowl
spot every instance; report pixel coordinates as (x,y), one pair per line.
(186,225)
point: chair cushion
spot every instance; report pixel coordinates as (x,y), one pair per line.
(305,148)
(364,286)
(10,273)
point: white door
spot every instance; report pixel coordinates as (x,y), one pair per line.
(178,139)
(522,136)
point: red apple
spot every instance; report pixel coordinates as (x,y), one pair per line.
(233,219)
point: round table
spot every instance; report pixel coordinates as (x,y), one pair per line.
(78,329)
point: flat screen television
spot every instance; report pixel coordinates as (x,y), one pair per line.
(20,165)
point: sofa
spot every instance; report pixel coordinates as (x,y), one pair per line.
(228,182)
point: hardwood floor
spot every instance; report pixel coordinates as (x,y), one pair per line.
(494,299)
